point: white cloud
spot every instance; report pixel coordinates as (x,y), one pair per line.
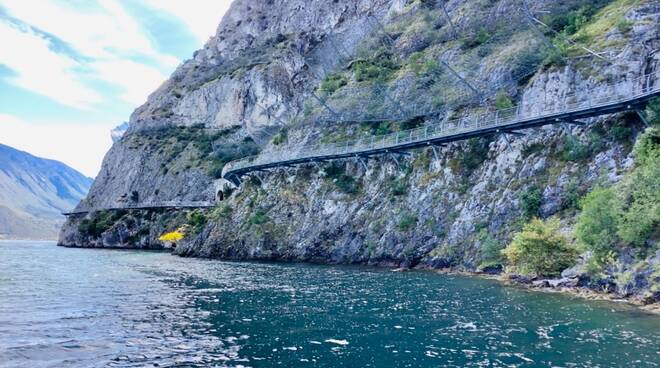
(39,69)
(201,16)
(81,146)
(106,37)
(101,33)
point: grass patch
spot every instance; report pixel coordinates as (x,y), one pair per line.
(260,217)
(407,221)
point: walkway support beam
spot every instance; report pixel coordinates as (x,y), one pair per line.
(642,117)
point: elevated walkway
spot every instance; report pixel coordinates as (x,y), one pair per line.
(146,206)
(625,95)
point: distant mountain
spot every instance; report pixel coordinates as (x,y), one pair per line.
(33,194)
(118,132)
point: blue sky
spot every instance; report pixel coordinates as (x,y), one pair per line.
(70,70)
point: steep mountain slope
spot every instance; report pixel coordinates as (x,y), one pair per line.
(249,91)
(34,192)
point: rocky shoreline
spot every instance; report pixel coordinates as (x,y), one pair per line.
(568,286)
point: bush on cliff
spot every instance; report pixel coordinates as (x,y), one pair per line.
(596,227)
(640,192)
(491,251)
(99,223)
(628,213)
(531,201)
(503,101)
(653,111)
(196,220)
(380,67)
(333,82)
(540,249)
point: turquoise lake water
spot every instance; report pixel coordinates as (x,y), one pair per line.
(102,308)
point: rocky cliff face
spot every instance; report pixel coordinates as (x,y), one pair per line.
(251,82)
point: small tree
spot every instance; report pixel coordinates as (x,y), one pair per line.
(640,218)
(491,250)
(531,201)
(540,249)
(596,227)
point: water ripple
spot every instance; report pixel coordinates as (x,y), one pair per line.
(97,308)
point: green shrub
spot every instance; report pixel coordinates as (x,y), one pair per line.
(100,222)
(398,187)
(333,82)
(571,196)
(576,19)
(647,148)
(221,212)
(640,219)
(379,68)
(570,22)
(532,149)
(621,133)
(629,212)
(503,101)
(280,137)
(524,62)
(381,128)
(491,250)
(407,222)
(411,123)
(420,66)
(596,227)
(574,150)
(259,218)
(477,39)
(556,53)
(653,111)
(531,201)
(540,249)
(197,220)
(624,26)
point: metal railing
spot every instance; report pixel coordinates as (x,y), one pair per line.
(594,99)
